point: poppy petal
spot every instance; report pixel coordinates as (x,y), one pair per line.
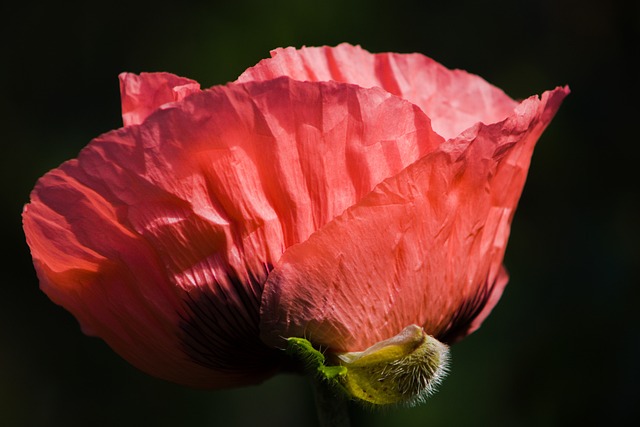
(142,94)
(454,100)
(159,237)
(424,247)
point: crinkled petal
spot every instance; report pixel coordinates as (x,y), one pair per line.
(159,237)
(424,247)
(143,94)
(454,100)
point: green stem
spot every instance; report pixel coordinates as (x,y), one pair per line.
(331,405)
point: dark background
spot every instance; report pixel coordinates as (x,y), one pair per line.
(562,346)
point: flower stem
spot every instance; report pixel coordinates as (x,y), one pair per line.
(332,406)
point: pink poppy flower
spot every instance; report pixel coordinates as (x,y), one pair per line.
(328,193)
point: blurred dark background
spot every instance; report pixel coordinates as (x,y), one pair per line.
(560,349)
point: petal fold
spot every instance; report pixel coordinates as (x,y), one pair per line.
(143,94)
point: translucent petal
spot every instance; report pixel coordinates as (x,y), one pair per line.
(453,99)
(159,237)
(424,247)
